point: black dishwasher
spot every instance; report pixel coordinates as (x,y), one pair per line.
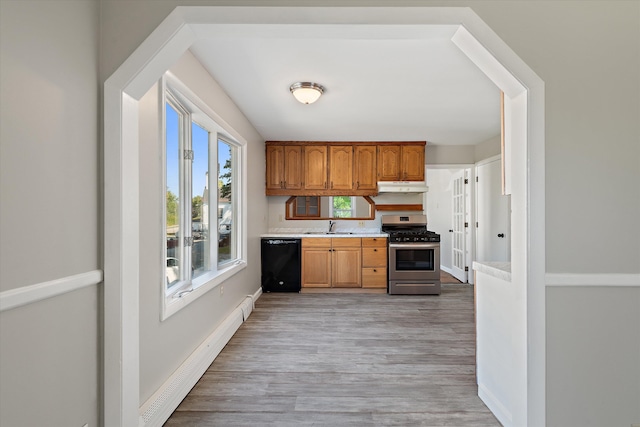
(280,265)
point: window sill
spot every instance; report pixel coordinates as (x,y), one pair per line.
(182,298)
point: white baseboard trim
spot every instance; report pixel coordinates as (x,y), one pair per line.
(159,407)
(445,269)
(568,279)
(495,406)
(29,294)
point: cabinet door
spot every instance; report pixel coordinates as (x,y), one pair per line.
(413,163)
(275,167)
(389,163)
(315,167)
(316,267)
(340,167)
(365,170)
(293,167)
(346,268)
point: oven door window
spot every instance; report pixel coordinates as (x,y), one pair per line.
(415,259)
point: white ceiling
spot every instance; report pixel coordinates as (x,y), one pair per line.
(383,83)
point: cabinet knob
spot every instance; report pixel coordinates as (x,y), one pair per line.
(375,250)
(501,235)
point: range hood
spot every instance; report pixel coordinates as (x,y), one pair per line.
(402,187)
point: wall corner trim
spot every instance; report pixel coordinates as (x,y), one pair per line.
(570,279)
(40,291)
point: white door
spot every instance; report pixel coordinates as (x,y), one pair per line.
(458,237)
(492,226)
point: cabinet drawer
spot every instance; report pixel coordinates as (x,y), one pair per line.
(346,242)
(374,241)
(374,277)
(374,257)
(316,242)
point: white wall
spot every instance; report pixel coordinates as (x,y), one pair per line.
(49,210)
(497,328)
(164,345)
(488,148)
(450,155)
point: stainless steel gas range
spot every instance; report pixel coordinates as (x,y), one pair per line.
(414,255)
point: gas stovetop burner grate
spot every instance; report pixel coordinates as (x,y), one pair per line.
(409,229)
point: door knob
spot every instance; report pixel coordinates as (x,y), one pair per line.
(501,235)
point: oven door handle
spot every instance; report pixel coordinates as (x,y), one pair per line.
(414,245)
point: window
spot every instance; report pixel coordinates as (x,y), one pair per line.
(307,206)
(202,180)
(342,206)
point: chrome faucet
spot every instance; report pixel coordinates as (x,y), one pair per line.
(331,225)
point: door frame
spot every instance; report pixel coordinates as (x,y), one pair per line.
(524,102)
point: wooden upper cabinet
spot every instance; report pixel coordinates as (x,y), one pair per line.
(365,171)
(412,163)
(275,167)
(298,168)
(401,163)
(293,167)
(389,163)
(340,167)
(315,167)
(284,168)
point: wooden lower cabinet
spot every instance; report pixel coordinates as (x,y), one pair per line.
(374,262)
(331,262)
(344,262)
(316,262)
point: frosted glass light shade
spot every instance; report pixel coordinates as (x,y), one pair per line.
(306,92)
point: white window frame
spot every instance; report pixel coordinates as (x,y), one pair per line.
(353,207)
(189,289)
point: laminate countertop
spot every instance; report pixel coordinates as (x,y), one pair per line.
(500,270)
(300,234)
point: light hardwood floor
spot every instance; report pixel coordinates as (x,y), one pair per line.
(345,360)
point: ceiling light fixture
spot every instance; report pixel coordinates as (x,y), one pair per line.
(306,92)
